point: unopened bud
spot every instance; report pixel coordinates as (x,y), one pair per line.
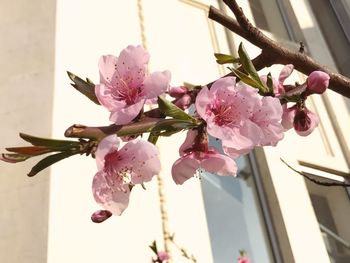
(305,122)
(184,102)
(177,92)
(317,82)
(100,215)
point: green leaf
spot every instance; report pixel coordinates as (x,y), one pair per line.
(154,247)
(248,66)
(245,78)
(48,161)
(50,143)
(225,59)
(269,82)
(171,110)
(87,88)
(173,124)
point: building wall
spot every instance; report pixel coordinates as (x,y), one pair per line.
(26,76)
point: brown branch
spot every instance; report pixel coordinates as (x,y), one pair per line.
(314,180)
(97,133)
(272,52)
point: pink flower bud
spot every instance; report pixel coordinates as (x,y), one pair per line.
(184,102)
(243,259)
(100,215)
(162,256)
(305,122)
(317,82)
(177,92)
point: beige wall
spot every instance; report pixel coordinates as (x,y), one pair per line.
(26,77)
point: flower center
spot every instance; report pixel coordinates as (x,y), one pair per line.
(224,114)
(117,174)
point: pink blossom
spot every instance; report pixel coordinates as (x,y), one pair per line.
(317,82)
(239,116)
(197,155)
(125,87)
(118,170)
(162,256)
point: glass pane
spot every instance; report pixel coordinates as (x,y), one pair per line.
(332,209)
(234,216)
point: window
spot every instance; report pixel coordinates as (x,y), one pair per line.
(234,215)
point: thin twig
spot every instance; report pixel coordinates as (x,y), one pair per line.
(314,180)
(272,52)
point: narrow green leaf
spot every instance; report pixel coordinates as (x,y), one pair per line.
(87,88)
(154,247)
(173,124)
(171,110)
(48,161)
(225,59)
(269,82)
(246,79)
(248,66)
(50,143)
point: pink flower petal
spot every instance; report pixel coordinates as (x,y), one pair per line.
(184,168)
(285,73)
(268,118)
(142,159)
(223,82)
(107,145)
(132,57)
(105,97)
(156,84)
(189,141)
(234,153)
(203,101)
(127,114)
(288,117)
(107,65)
(238,141)
(219,164)
(110,199)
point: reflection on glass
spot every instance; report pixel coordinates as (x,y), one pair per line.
(234,216)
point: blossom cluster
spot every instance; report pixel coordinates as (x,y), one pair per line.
(234,113)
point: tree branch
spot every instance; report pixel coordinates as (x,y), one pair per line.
(272,52)
(314,180)
(98,133)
